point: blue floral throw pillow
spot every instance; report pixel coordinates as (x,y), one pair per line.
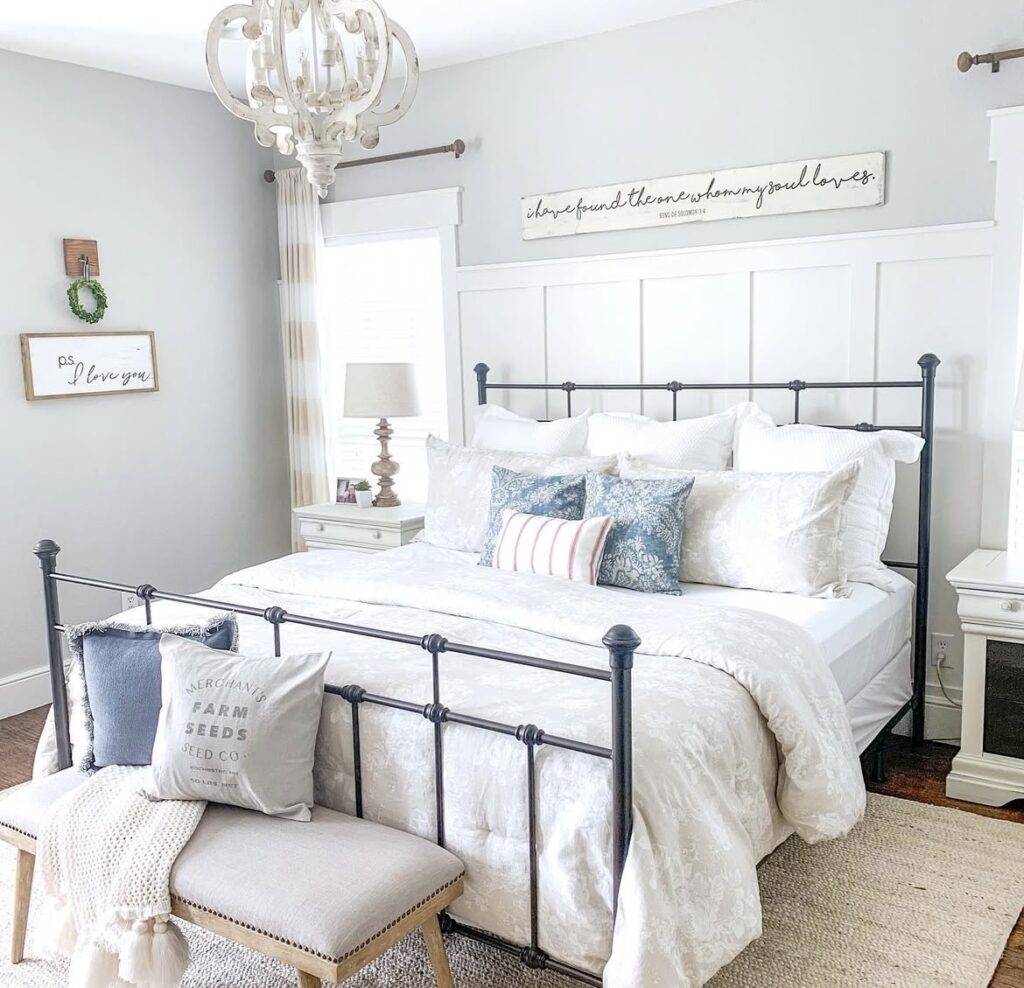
(642,550)
(556,497)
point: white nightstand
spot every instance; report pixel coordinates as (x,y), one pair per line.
(990,766)
(347,526)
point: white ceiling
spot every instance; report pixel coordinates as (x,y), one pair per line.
(165,41)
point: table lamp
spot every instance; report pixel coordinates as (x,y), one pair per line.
(382,391)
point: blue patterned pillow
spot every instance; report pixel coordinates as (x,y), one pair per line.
(556,497)
(642,551)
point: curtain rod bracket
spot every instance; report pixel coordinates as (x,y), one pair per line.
(457,147)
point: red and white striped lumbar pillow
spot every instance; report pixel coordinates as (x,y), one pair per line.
(551,546)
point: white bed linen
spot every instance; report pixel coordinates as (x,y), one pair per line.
(864,638)
(711,798)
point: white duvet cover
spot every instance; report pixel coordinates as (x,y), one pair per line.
(740,738)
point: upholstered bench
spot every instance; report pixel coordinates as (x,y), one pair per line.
(325,897)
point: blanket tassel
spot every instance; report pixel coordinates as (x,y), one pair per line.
(58,932)
(136,967)
(170,954)
(92,966)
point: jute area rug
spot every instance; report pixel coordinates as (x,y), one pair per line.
(917,897)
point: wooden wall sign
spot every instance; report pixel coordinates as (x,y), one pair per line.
(74,250)
(68,365)
(792,187)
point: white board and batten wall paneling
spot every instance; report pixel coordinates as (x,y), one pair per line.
(845,307)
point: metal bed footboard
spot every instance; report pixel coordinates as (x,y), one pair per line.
(927,363)
(620,641)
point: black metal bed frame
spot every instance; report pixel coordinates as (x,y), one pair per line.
(621,642)
(928,362)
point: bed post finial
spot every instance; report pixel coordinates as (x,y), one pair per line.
(621,642)
(481,371)
(46,551)
(928,362)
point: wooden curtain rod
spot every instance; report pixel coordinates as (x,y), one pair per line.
(457,147)
(965,61)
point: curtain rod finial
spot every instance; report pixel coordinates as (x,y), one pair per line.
(269,176)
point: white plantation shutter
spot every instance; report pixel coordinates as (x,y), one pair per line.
(382,302)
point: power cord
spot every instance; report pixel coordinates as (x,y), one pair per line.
(942,686)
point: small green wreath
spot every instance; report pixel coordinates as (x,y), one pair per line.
(99,297)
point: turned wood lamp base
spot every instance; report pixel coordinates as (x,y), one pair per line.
(385,468)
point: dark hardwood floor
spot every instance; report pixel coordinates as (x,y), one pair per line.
(917,775)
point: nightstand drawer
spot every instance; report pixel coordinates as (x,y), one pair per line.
(348,534)
(993,609)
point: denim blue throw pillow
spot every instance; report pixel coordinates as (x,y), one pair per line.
(642,550)
(120,664)
(556,497)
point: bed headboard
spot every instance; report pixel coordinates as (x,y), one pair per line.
(925,383)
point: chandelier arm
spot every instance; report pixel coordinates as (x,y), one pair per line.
(300,111)
(381,118)
(237,11)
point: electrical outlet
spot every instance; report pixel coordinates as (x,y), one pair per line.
(942,646)
(129,600)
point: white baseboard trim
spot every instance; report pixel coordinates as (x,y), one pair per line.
(941,716)
(24,691)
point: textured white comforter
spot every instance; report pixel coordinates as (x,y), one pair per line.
(740,737)
(735,744)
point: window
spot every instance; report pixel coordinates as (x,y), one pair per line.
(382,301)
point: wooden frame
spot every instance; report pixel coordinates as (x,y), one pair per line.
(30,382)
(310,968)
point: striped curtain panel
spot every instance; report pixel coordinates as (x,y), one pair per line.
(300,236)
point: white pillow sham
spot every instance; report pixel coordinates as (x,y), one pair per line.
(498,428)
(703,443)
(762,531)
(761,446)
(559,547)
(459,487)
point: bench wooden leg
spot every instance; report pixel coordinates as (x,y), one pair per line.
(308,980)
(431,931)
(24,869)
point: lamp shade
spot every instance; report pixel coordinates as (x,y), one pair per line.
(380,391)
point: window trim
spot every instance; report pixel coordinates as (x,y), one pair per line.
(438,210)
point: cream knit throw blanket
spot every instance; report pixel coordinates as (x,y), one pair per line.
(105,854)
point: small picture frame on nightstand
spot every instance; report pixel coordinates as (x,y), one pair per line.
(345,491)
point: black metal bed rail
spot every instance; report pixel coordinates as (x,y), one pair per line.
(927,363)
(620,642)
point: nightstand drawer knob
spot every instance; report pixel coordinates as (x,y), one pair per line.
(376,533)
(320,527)
(1010,605)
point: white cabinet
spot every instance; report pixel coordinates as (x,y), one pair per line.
(989,768)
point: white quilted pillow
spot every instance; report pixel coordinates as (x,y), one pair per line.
(498,428)
(560,547)
(697,444)
(459,487)
(762,531)
(761,446)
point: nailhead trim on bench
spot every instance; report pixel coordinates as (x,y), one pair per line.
(316,953)
(292,943)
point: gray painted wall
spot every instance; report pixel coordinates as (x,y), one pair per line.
(174,488)
(744,84)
